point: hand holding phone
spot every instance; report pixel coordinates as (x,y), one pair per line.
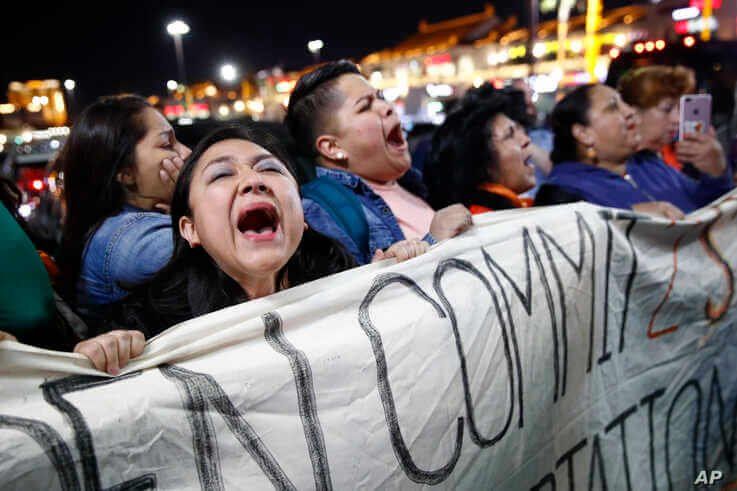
(695,114)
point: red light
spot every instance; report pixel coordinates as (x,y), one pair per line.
(639,48)
(614,53)
(715,4)
(689,41)
(649,46)
(37,184)
(660,45)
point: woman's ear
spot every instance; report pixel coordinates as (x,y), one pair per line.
(582,134)
(188,230)
(329,149)
(126,177)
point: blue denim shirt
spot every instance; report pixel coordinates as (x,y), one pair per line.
(383,227)
(126,249)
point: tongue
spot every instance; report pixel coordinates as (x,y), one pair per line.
(263,230)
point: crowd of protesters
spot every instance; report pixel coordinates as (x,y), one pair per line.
(155,233)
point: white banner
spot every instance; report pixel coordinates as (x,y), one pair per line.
(570,347)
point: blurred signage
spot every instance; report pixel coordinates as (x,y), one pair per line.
(438,59)
(695,25)
(715,4)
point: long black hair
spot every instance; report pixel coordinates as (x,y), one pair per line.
(192,284)
(462,152)
(572,109)
(100,145)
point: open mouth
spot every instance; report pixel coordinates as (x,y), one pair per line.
(395,138)
(259,221)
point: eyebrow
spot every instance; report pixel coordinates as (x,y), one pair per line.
(367,96)
(233,159)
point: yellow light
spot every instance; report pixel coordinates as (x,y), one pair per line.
(620,40)
(478,82)
(689,41)
(239,106)
(628,19)
(223,110)
(649,46)
(639,48)
(7,109)
(59,102)
(255,105)
(576,46)
(44,100)
(659,44)
(211,91)
(614,53)
(33,107)
(27,136)
(3,139)
(517,51)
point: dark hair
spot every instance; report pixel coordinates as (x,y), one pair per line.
(101,144)
(312,100)
(192,284)
(572,109)
(462,152)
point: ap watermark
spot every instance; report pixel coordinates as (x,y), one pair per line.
(708,478)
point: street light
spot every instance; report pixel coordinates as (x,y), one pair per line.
(314,47)
(172,85)
(177,29)
(69,84)
(228,72)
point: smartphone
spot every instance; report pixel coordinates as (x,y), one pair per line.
(695,114)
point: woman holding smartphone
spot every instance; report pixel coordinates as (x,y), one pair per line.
(654,93)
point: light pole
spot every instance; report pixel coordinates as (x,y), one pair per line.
(177,29)
(69,86)
(314,47)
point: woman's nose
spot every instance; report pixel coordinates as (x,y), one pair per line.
(253,184)
(386,109)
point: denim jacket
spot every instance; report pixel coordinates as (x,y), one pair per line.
(126,249)
(383,227)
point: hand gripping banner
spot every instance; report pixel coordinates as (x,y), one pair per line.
(570,347)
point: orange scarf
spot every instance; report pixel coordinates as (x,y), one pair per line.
(503,191)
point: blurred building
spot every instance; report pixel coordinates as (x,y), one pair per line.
(444,59)
(35,103)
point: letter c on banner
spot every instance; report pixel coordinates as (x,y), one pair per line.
(385,391)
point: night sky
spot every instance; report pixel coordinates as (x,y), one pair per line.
(123,46)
